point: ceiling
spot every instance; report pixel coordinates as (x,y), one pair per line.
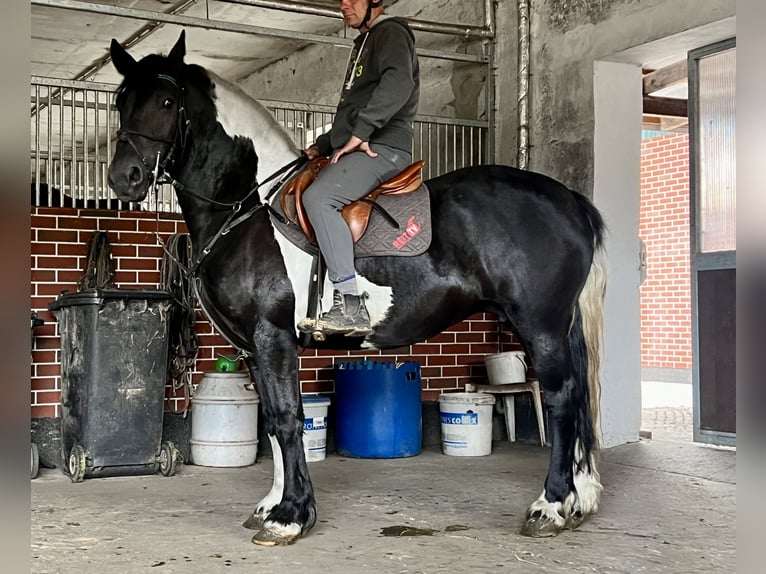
(73,44)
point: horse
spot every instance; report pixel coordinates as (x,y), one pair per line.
(511,242)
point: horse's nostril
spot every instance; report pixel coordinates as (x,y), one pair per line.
(136,176)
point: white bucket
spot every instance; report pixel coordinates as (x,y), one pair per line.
(466,421)
(224,420)
(506,368)
(315,427)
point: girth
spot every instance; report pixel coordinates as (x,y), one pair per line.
(357,213)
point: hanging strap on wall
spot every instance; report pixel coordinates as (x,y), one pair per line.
(99,266)
(182,352)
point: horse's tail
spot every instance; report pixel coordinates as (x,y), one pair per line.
(586,334)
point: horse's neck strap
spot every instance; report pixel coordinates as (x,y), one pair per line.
(230,223)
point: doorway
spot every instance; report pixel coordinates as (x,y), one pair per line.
(617,144)
(664,222)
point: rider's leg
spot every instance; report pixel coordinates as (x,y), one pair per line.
(353,177)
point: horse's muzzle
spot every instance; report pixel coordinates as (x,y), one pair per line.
(129,180)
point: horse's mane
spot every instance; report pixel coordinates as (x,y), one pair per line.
(241,99)
(240,115)
(154,64)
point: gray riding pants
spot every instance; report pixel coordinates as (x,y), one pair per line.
(354,176)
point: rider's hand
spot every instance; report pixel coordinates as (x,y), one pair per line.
(354,143)
(312,152)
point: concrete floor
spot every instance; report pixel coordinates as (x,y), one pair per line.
(668,506)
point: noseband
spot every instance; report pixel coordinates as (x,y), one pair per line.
(158,167)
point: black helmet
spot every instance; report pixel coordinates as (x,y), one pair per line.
(370,5)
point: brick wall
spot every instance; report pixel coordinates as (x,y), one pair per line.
(664,228)
(59,239)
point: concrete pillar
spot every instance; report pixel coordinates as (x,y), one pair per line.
(616,192)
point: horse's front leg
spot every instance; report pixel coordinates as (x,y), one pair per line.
(289,509)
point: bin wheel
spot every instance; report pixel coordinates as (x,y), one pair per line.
(167,458)
(77,463)
(35,460)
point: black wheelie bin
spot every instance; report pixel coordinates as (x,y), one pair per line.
(114,349)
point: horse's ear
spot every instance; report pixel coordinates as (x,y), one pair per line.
(179,50)
(123,61)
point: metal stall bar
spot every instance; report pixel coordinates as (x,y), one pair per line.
(37,147)
(49,170)
(298,7)
(85,165)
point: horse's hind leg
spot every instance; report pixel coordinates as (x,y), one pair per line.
(572,488)
(289,509)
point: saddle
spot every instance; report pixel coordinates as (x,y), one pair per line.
(357,213)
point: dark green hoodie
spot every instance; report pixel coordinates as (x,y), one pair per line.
(381,89)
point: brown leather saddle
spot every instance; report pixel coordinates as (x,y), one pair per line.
(356,214)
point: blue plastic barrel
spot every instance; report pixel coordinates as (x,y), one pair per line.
(378,409)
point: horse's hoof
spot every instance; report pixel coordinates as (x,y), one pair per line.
(253,522)
(318,336)
(266,537)
(540,527)
(574,520)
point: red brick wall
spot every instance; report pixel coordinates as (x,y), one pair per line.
(59,250)
(664,228)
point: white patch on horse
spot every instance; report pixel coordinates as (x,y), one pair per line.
(555,512)
(240,115)
(283,530)
(587,483)
(274,497)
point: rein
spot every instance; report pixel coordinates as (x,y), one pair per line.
(232,220)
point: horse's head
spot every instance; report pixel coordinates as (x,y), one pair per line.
(153,123)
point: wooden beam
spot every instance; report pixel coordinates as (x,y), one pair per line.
(664,77)
(668,124)
(665,107)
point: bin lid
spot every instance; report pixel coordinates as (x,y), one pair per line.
(467,398)
(368,365)
(99,296)
(315,400)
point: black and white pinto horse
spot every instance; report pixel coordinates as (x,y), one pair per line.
(505,241)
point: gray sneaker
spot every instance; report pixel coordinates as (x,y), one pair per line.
(347,316)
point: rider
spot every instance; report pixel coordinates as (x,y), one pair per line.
(369,142)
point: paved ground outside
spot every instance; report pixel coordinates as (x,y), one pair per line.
(668,423)
(667,411)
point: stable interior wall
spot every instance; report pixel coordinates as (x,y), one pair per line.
(568,37)
(448,89)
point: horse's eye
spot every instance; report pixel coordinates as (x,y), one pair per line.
(168,103)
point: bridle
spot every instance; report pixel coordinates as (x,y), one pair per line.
(159,167)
